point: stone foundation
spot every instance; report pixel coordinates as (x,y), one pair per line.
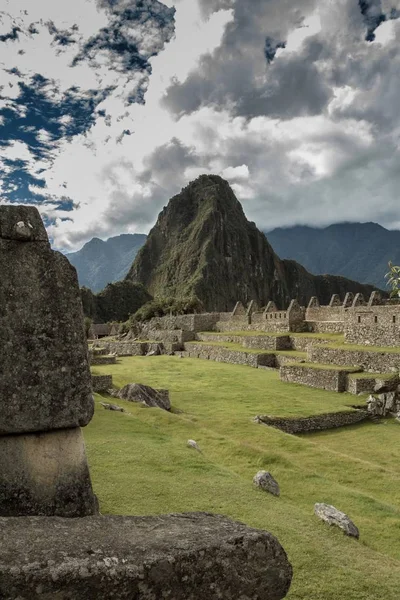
(103,359)
(101,383)
(45,474)
(324,326)
(375,362)
(325,379)
(235,357)
(316,422)
(181,557)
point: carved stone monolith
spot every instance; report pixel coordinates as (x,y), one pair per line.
(45,383)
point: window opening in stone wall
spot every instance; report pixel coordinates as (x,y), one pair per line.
(394,319)
(376,319)
(359,319)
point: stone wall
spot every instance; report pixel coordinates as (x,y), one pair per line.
(173,336)
(101,383)
(360,385)
(103,359)
(137,348)
(302,343)
(325,379)
(375,362)
(268,342)
(316,422)
(325,313)
(373,325)
(235,357)
(324,326)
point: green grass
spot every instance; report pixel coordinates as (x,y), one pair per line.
(240,348)
(140,465)
(359,348)
(366,375)
(330,367)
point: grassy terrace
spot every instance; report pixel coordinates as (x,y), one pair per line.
(240,348)
(330,367)
(365,375)
(358,348)
(140,465)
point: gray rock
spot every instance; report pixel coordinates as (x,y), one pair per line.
(265,481)
(45,381)
(383,404)
(112,407)
(137,392)
(333,516)
(182,557)
(45,474)
(193,444)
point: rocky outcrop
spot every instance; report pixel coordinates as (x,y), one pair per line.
(203,246)
(45,384)
(182,557)
(266,482)
(333,516)
(384,404)
(137,392)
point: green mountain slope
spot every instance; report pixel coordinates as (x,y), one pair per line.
(202,245)
(360,251)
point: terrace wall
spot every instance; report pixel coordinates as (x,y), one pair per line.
(101,383)
(375,362)
(325,379)
(234,357)
(316,422)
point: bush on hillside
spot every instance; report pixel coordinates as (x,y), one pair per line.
(159,307)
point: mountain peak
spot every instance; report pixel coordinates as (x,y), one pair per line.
(202,245)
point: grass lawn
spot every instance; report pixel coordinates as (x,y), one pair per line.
(358,348)
(366,375)
(140,465)
(310,365)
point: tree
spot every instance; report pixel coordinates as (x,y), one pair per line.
(393,277)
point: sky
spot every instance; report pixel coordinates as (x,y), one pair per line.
(109,107)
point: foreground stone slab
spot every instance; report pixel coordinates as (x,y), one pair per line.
(45,380)
(45,474)
(333,516)
(194,556)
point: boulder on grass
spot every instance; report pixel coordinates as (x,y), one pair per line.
(333,516)
(137,392)
(265,481)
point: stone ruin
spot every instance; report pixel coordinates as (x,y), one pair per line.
(45,385)
(45,397)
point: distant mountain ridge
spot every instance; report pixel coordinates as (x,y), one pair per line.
(358,251)
(203,246)
(99,263)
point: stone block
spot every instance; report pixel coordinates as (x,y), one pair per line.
(21,223)
(45,474)
(182,557)
(45,380)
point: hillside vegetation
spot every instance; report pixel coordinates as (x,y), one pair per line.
(203,246)
(358,251)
